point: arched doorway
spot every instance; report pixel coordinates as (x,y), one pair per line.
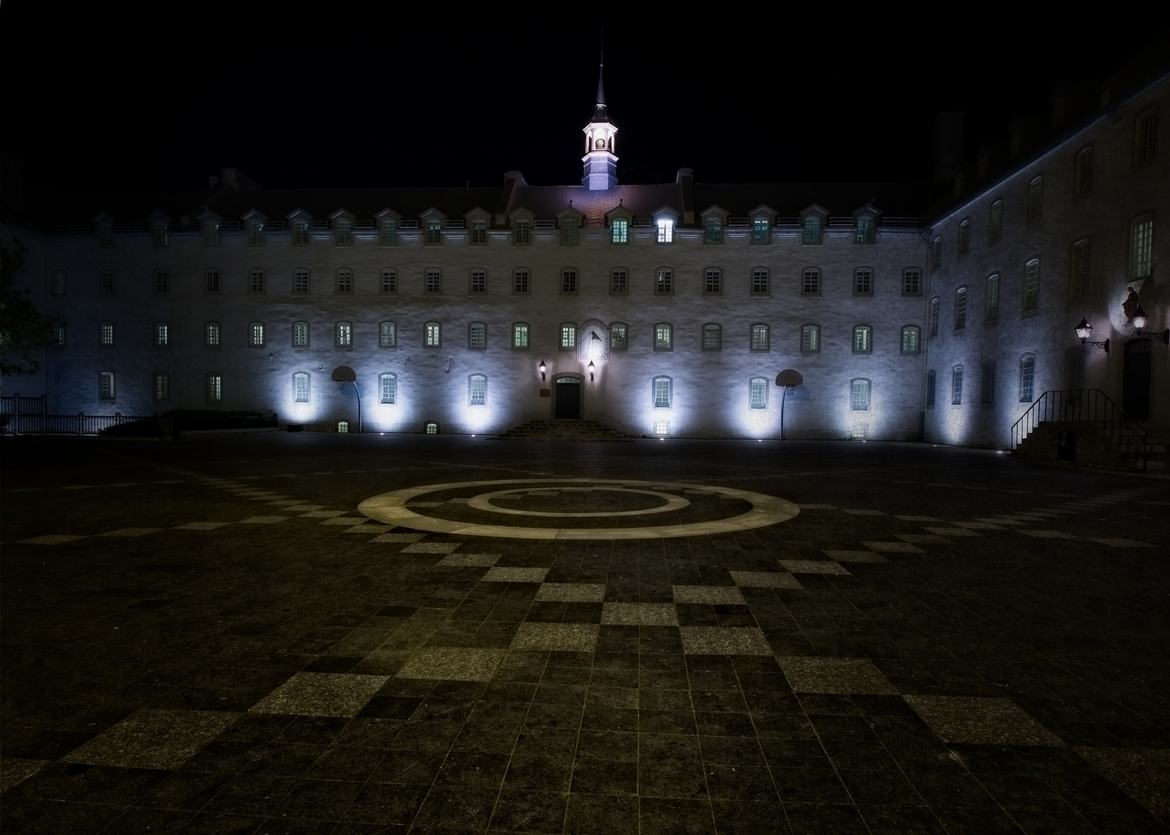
(1135,380)
(567,397)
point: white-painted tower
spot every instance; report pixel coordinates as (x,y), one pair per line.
(600,162)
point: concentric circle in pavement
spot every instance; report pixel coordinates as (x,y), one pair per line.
(529,508)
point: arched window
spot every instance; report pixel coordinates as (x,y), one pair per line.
(957,385)
(343,334)
(300,334)
(1034,209)
(301,387)
(760,340)
(932,317)
(761,282)
(1141,246)
(859,390)
(388,388)
(862,339)
(662,392)
(960,308)
(810,338)
(663,337)
(432,335)
(1027,378)
(255,334)
(1032,285)
(343,281)
(911,339)
(712,337)
(387,335)
(477,390)
(520,336)
(477,336)
(930,387)
(757,393)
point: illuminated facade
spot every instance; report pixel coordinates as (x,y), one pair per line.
(665,309)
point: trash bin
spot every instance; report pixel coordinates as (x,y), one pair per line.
(1066,446)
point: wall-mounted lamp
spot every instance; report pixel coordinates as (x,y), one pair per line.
(1139,323)
(543,370)
(591,368)
(450,364)
(1085,330)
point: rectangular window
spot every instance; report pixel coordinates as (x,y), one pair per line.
(811,230)
(1083,173)
(570,231)
(991,299)
(1027,379)
(300,334)
(712,282)
(663,282)
(343,334)
(478,233)
(960,308)
(862,339)
(432,335)
(215,387)
(477,390)
(300,282)
(863,282)
(300,233)
(663,337)
(759,338)
(995,222)
(957,385)
(162,334)
(932,317)
(256,334)
(1079,263)
(910,339)
(1141,248)
(388,233)
(59,334)
(213,283)
(476,336)
(105,385)
(388,281)
(106,333)
(388,383)
(761,282)
(810,339)
(387,335)
(987,383)
(343,282)
(522,232)
(863,232)
(434,233)
(619,230)
(713,230)
(665,231)
(618,282)
(930,387)
(520,282)
(859,395)
(911,282)
(618,337)
(662,392)
(568,282)
(1032,285)
(301,387)
(433,281)
(568,337)
(211,334)
(810,282)
(712,337)
(106,282)
(761,231)
(162,386)
(477,283)
(57,283)
(162,282)
(758,393)
(520,336)
(256,281)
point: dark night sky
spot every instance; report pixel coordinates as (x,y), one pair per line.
(347,97)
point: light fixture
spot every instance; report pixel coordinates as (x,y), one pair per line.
(543,370)
(1139,323)
(591,367)
(1085,330)
(450,364)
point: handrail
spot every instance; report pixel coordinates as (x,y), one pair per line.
(1084,406)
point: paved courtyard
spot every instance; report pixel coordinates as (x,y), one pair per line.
(278,632)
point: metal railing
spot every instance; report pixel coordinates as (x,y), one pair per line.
(21,415)
(1091,406)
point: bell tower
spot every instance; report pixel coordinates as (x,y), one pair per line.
(599,160)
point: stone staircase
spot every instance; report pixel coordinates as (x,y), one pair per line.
(564,429)
(1093,445)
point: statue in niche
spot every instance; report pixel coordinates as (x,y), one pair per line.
(1130,305)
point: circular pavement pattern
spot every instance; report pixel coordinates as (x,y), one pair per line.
(531,506)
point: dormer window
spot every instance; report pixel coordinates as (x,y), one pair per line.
(812,231)
(1034,207)
(160,233)
(255,232)
(619,230)
(521,232)
(863,229)
(761,230)
(478,233)
(713,230)
(343,231)
(665,230)
(434,233)
(570,230)
(301,233)
(211,232)
(388,232)
(104,229)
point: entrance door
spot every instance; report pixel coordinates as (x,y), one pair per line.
(1135,381)
(568,397)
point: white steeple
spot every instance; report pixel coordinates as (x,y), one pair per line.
(600,162)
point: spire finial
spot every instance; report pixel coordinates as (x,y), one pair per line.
(601,73)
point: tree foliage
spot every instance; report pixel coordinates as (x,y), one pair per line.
(24,330)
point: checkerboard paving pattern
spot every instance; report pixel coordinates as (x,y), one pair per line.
(321,694)
(164,739)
